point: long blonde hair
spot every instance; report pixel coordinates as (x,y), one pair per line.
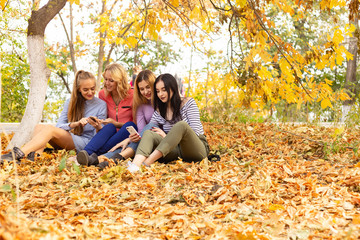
(77,101)
(120,76)
(138,99)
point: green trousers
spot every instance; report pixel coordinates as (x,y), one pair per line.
(181,141)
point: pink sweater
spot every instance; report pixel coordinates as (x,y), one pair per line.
(121,112)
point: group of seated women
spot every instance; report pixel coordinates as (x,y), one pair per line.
(168,125)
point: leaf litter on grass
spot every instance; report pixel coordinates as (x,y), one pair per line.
(272,182)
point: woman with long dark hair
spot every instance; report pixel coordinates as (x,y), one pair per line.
(180,132)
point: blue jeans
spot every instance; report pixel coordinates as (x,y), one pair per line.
(132,145)
(107,137)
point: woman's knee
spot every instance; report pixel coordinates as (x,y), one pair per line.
(182,125)
(109,127)
(42,127)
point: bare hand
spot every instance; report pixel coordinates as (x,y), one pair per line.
(96,124)
(123,144)
(134,137)
(81,122)
(158,131)
(108,120)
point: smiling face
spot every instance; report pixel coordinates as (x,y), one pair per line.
(109,83)
(161,92)
(87,88)
(145,89)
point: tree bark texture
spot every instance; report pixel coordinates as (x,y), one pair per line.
(351,83)
(39,72)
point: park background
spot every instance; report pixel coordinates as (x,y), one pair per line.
(250,65)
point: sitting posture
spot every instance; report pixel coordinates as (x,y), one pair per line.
(181,132)
(74,128)
(119,97)
(142,110)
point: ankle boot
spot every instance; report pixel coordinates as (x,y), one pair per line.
(93,160)
(31,156)
(103,165)
(117,158)
(83,158)
(18,154)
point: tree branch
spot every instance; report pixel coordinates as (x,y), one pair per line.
(71,46)
(261,23)
(40,18)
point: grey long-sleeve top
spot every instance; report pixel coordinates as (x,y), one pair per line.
(94,107)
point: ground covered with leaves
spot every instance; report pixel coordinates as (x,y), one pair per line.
(272,182)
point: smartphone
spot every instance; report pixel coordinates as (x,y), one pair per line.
(93,118)
(131,130)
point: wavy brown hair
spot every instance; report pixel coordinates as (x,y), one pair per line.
(149,77)
(77,101)
(120,76)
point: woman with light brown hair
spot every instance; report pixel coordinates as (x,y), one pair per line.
(74,128)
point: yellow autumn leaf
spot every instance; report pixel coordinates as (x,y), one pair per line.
(323,4)
(264,73)
(131,42)
(175,3)
(274,207)
(241,3)
(338,37)
(356,219)
(2,4)
(74,1)
(337,3)
(344,96)
(349,29)
(320,64)
(358,166)
(326,103)
(339,59)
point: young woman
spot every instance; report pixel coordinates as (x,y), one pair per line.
(118,96)
(74,128)
(181,133)
(142,111)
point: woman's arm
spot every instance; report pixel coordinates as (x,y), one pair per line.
(193,116)
(100,116)
(63,119)
(116,124)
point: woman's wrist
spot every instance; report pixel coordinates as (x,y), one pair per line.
(72,124)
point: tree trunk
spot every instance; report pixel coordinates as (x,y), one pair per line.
(350,81)
(39,72)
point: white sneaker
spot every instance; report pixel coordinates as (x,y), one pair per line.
(132,167)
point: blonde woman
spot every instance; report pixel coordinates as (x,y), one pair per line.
(118,96)
(74,128)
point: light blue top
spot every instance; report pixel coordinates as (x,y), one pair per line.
(94,107)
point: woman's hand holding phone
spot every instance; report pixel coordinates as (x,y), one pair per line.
(134,135)
(95,122)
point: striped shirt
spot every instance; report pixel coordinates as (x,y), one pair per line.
(189,113)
